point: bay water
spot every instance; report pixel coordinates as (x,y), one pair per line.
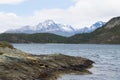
(106,58)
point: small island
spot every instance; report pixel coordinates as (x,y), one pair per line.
(18,65)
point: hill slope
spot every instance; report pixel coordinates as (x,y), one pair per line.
(109,33)
(32,38)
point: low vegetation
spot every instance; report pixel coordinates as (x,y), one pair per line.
(32,38)
(5,44)
(1,53)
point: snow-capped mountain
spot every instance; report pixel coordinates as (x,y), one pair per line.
(96,25)
(91,28)
(49,26)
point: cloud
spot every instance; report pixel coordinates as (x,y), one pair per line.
(8,20)
(82,13)
(11,1)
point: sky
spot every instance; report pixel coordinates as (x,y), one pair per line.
(77,13)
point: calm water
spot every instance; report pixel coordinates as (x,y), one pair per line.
(106,57)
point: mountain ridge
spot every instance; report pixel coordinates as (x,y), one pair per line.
(107,34)
(49,26)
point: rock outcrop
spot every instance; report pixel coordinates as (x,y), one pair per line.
(18,65)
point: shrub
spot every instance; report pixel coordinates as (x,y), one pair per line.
(1,53)
(5,44)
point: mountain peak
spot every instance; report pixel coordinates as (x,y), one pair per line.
(97,25)
(49,21)
(49,26)
(46,23)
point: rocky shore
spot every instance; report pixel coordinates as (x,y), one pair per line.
(18,65)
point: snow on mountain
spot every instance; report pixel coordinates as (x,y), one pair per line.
(96,25)
(49,26)
(91,28)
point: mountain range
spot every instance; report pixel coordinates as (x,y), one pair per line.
(49,26)
(109,33)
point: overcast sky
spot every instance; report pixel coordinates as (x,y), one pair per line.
(78,13)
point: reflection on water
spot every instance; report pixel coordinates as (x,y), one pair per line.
(106,57)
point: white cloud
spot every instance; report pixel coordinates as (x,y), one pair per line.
(83,13)
(11,1)
(8,20)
